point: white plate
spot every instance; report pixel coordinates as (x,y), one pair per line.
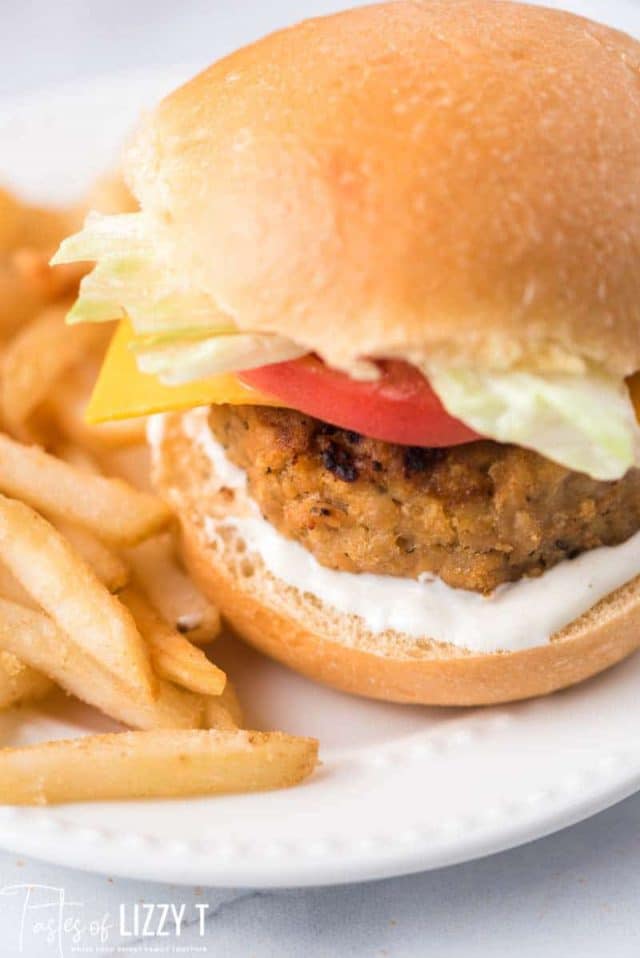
(400,789)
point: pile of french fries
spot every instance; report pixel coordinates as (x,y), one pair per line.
(93,599)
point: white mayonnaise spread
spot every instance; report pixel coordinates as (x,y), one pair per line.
(516,616)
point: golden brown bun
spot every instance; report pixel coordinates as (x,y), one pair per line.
(454,177)
(336,649)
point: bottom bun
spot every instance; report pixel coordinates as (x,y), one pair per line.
(302,632)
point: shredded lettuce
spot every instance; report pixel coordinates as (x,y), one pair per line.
(131,277)
(583,421)
(183,362)
(102,236)
(180,333)
(149,293)
(90,309)
(169,337)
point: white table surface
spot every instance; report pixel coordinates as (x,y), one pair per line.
(577,892)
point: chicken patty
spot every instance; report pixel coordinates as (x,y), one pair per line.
(475,515)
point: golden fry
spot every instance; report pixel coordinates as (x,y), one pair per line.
(13,590)
(11,222)
(23,225)
(20,300)
(28,237)
(80,459)
(172,655)
(109,508)
(36,639)
(131,463)
(19,682)
(34,360)
(54,575)
(68,404)
(154,765)
(171,591)
(110,568)
(224,711)
(51,283)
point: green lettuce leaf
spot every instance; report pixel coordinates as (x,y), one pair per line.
(180,333)
(101,236)
(183,362)
(130,277)
(583,421)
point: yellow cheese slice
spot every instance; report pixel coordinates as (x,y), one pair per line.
(122,391)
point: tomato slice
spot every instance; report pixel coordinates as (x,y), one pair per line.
(399,407)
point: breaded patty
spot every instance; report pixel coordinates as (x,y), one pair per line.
(476,515)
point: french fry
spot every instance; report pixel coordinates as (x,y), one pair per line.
(20,300)
(36,639)
(224,711)
(153,765)
(19,682)
(173,657)
(24,225)
(13,590)
(69,418)
(110,508)
(35,359)
(68,404)
(109,567)
(81,459)
(43,227)
(131,463)
(52,573)
(28,236)
(49,283)
(171,591)
(27,286)
(12,214)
